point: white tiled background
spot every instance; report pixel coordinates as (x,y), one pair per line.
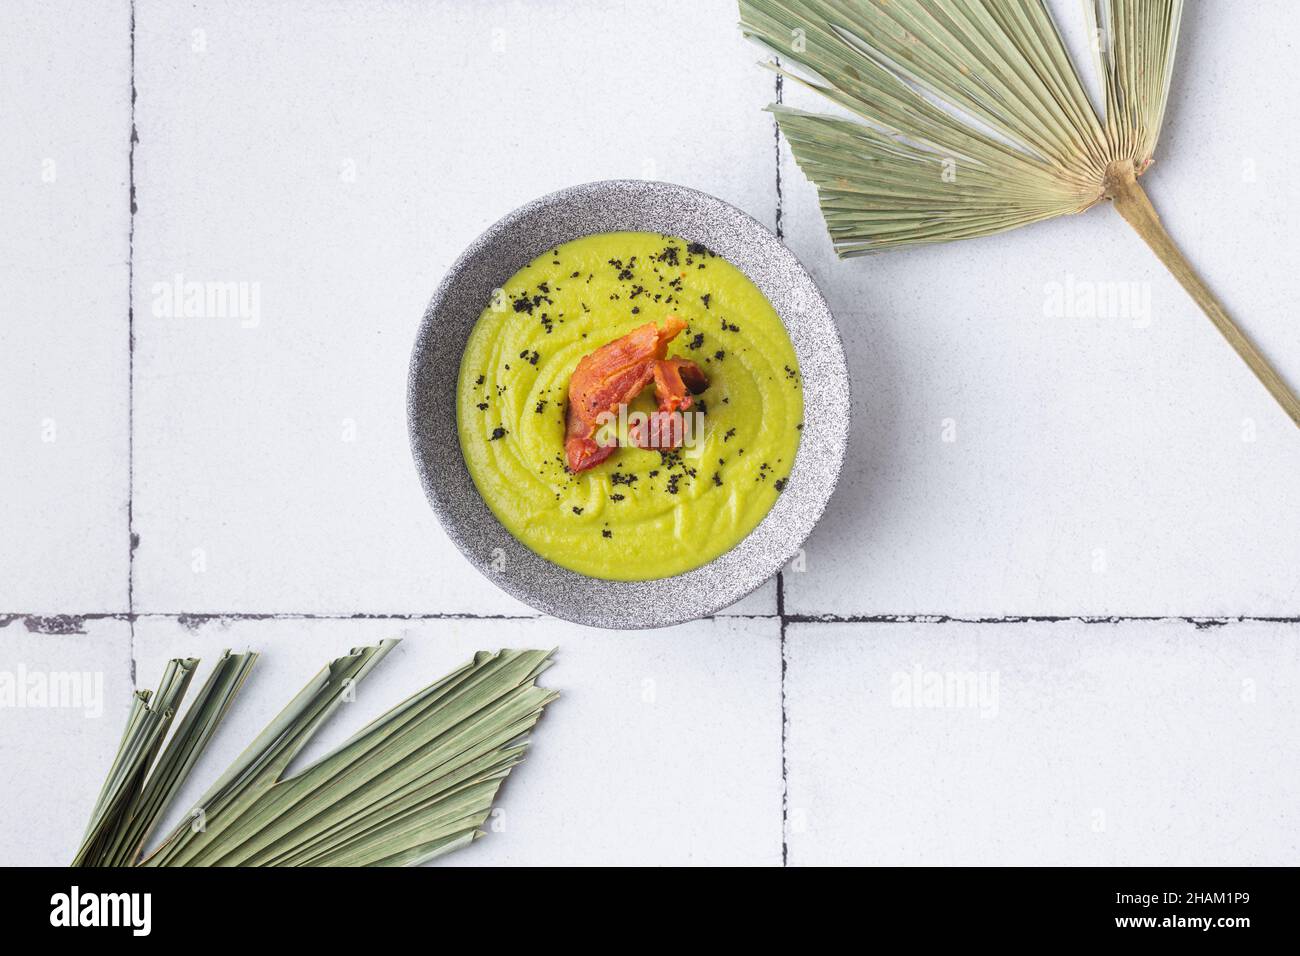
(340,155)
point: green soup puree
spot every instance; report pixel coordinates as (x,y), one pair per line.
(642,513)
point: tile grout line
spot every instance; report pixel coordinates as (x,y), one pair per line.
(780,575)
(785,765)
(75,623)
(1201,622)
(38,621)
(132,539)
(776,127)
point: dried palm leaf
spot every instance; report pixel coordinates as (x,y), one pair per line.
(974,120)
(416,783)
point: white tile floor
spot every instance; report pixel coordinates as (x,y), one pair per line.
(1141,742)
(334,158)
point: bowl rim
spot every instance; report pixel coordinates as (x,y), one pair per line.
(769,546)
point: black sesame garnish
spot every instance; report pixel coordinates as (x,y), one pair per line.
(480,380)
(696,342)
(577,510)
(482,406)
(498,432)
(705,299)
(606,533)
(779,485)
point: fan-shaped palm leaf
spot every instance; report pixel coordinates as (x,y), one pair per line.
(974,120)
(416,783)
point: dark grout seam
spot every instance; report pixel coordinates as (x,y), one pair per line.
(776,128)
(1200,623)
(785,765)
(133,540)
(194,621)
(780,575)
(75,623)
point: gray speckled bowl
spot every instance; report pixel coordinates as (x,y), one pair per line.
(514,242)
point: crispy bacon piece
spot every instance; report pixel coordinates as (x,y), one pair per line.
(611,376)
(616,373)
(677,380)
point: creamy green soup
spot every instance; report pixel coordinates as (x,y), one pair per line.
(642,513)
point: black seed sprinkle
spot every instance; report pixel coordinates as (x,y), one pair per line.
(498,432)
